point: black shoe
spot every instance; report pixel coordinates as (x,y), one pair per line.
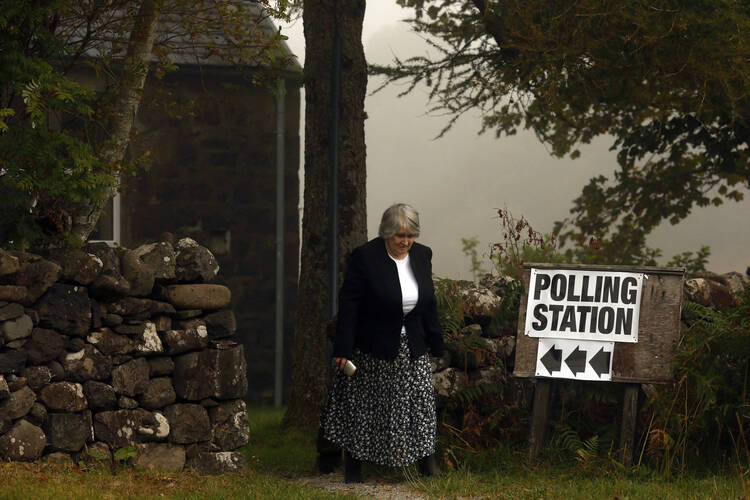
(428,467)
(329,455)
(352,469)
(326,464)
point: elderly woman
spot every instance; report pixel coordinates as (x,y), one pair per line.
(385,412)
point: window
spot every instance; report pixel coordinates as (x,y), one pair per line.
(108,227)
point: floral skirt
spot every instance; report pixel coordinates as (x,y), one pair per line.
(385,412)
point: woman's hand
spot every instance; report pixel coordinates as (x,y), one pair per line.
(339,363)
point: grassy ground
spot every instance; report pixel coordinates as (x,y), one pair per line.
(274,457)
(502,474)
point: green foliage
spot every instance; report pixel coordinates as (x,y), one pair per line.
(667,80)
(124,454)
(505,319)
(706,412)
(586,451)
(450,305)
(54,131)
(98,455)
(693,263)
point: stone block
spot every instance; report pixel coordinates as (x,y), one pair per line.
(217,463)
(77,265)
(111,343)
(8,263)
(161,457)
(149,341)
(449,381)
(129,427)
(23,442)
(127,403)
(161,366)
(68,431)
(131,306)
(230,425)
(158,394)
(37,414)
(87,364)
(198,296)
(188,423)
(12,361)
(139,275)
(11,311)
(109,284)
(18,404)
(37,276)
(192,338)
(37,376)
(195,262)
(43,346)
(18,328)
(220,324)
(13,293)
(100,396)
(64,396)
(159,257)
(210,373)
(131,378)
(65,309)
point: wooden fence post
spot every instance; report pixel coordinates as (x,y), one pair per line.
(539,418)
(629,420)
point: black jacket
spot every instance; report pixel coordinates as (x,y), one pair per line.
(370,305)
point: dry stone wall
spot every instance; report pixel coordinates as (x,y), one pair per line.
(104,348)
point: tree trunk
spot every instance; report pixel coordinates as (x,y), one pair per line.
(322,19)
(125,106)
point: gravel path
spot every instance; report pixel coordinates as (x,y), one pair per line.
(373,487)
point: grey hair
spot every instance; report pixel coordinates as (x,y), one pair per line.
(396,217)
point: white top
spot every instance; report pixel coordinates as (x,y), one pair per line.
(409,287)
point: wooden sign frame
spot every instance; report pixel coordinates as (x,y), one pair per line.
(647,361)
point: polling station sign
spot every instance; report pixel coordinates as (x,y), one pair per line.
(584,305)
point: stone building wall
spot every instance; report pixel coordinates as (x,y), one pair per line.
(104,348)
(211,175)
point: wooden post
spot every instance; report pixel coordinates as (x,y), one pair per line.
(539,418)
(629,418)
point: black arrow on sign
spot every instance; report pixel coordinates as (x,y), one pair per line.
(552,360)
(600,362)
(576,361)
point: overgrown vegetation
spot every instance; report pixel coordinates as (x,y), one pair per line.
(62,141)
(705,415)
(699,423)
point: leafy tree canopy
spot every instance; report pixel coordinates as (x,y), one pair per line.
(669,80)
(56,139)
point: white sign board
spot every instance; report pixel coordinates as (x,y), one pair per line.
(584,305)
(575,359)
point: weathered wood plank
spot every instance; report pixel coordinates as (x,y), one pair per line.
(539,418)
(600,267)
(629,420)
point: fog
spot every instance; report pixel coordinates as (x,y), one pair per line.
(458,182)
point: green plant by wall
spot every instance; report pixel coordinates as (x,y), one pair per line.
(450,305)
(705,415)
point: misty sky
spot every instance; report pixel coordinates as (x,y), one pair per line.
(458,182)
